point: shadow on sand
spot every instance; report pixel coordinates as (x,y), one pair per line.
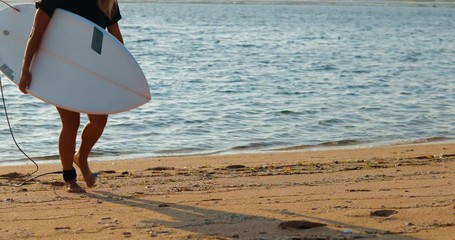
(209,223)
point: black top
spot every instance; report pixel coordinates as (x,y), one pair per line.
(85,8)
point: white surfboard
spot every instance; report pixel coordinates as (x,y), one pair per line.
(79,66)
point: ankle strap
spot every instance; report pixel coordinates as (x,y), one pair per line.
(69,175)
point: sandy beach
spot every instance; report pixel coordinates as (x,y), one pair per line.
(394,192)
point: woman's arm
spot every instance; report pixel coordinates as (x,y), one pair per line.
(33,42)
(114,29)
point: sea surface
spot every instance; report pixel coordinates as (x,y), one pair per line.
(229,78)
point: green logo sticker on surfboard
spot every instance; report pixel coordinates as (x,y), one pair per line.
(7,71)
(97,40)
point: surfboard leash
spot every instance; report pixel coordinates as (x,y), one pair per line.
(7,4)
(18,147)
(11,130)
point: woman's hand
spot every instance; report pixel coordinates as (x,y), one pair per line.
(24,82)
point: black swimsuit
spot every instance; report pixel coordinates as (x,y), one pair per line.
(86,8)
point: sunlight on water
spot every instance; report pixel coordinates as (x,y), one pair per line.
(227,78)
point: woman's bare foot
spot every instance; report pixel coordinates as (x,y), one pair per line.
(89,177)
(90,180)
(73,187)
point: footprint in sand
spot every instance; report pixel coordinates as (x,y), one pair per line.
(383,213)
(300,225)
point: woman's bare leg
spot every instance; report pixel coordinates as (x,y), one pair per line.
(90,135)
(67,145)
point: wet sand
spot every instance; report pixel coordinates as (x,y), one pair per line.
(394,192)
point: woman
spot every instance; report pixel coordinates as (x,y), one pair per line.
(106,14)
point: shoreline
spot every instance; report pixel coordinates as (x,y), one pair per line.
(327,146)
(393,192)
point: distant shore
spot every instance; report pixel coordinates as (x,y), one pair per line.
(340,2)
(313,2)
(447,3)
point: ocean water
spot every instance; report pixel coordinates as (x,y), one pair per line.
(233,78)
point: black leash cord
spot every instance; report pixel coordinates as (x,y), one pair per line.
(7,4)
(18,147)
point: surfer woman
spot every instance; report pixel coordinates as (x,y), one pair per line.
(106,14)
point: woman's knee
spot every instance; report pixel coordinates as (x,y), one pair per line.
(70,120)
(98,121)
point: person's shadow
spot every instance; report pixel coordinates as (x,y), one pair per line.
(203,222)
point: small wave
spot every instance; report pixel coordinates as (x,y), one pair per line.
(412,57)
(325,67)
(144,40)
(227,91)
(179,151)
(250,146)
(246,45)
(346,142)
(93,154)
(358,86)
(360,71)
(289,112)
(330,122)
(46,158)
(339,143)
(370,109)
(425,140)
(292,148)
(290,93)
